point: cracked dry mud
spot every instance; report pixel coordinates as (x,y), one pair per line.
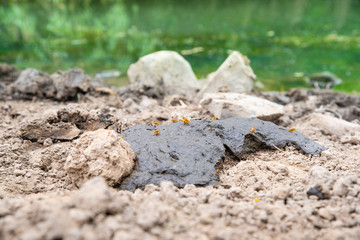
(261,196)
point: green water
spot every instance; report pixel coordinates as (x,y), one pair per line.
(285,40)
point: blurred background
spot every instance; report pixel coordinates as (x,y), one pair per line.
(286,41)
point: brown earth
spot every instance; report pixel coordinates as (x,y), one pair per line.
(263,196)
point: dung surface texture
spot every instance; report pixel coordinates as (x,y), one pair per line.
(187,153)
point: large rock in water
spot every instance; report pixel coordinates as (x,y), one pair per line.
(166,69)
(100,153)
(187,153)
(234,75)
(227,105)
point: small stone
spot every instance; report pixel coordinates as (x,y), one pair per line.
(81,215)
(18,172)
(325,213)
(281,193)
(227,105)
(258,186)
(47,142)
(205,218)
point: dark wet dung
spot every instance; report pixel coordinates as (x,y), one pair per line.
(187,153)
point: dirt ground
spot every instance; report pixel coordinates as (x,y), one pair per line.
(270,194)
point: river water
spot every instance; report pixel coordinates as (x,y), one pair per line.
(286,41)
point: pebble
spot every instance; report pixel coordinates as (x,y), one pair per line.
(281,193)
(325,213)
(18,172)
(47,142)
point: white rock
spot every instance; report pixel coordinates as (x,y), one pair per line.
(234,75)
(18,172)
(100,153)
(226,105)
(329,125)
(166,69)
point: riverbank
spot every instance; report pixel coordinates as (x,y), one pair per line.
(271,193)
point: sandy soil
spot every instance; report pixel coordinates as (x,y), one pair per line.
(263,196)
